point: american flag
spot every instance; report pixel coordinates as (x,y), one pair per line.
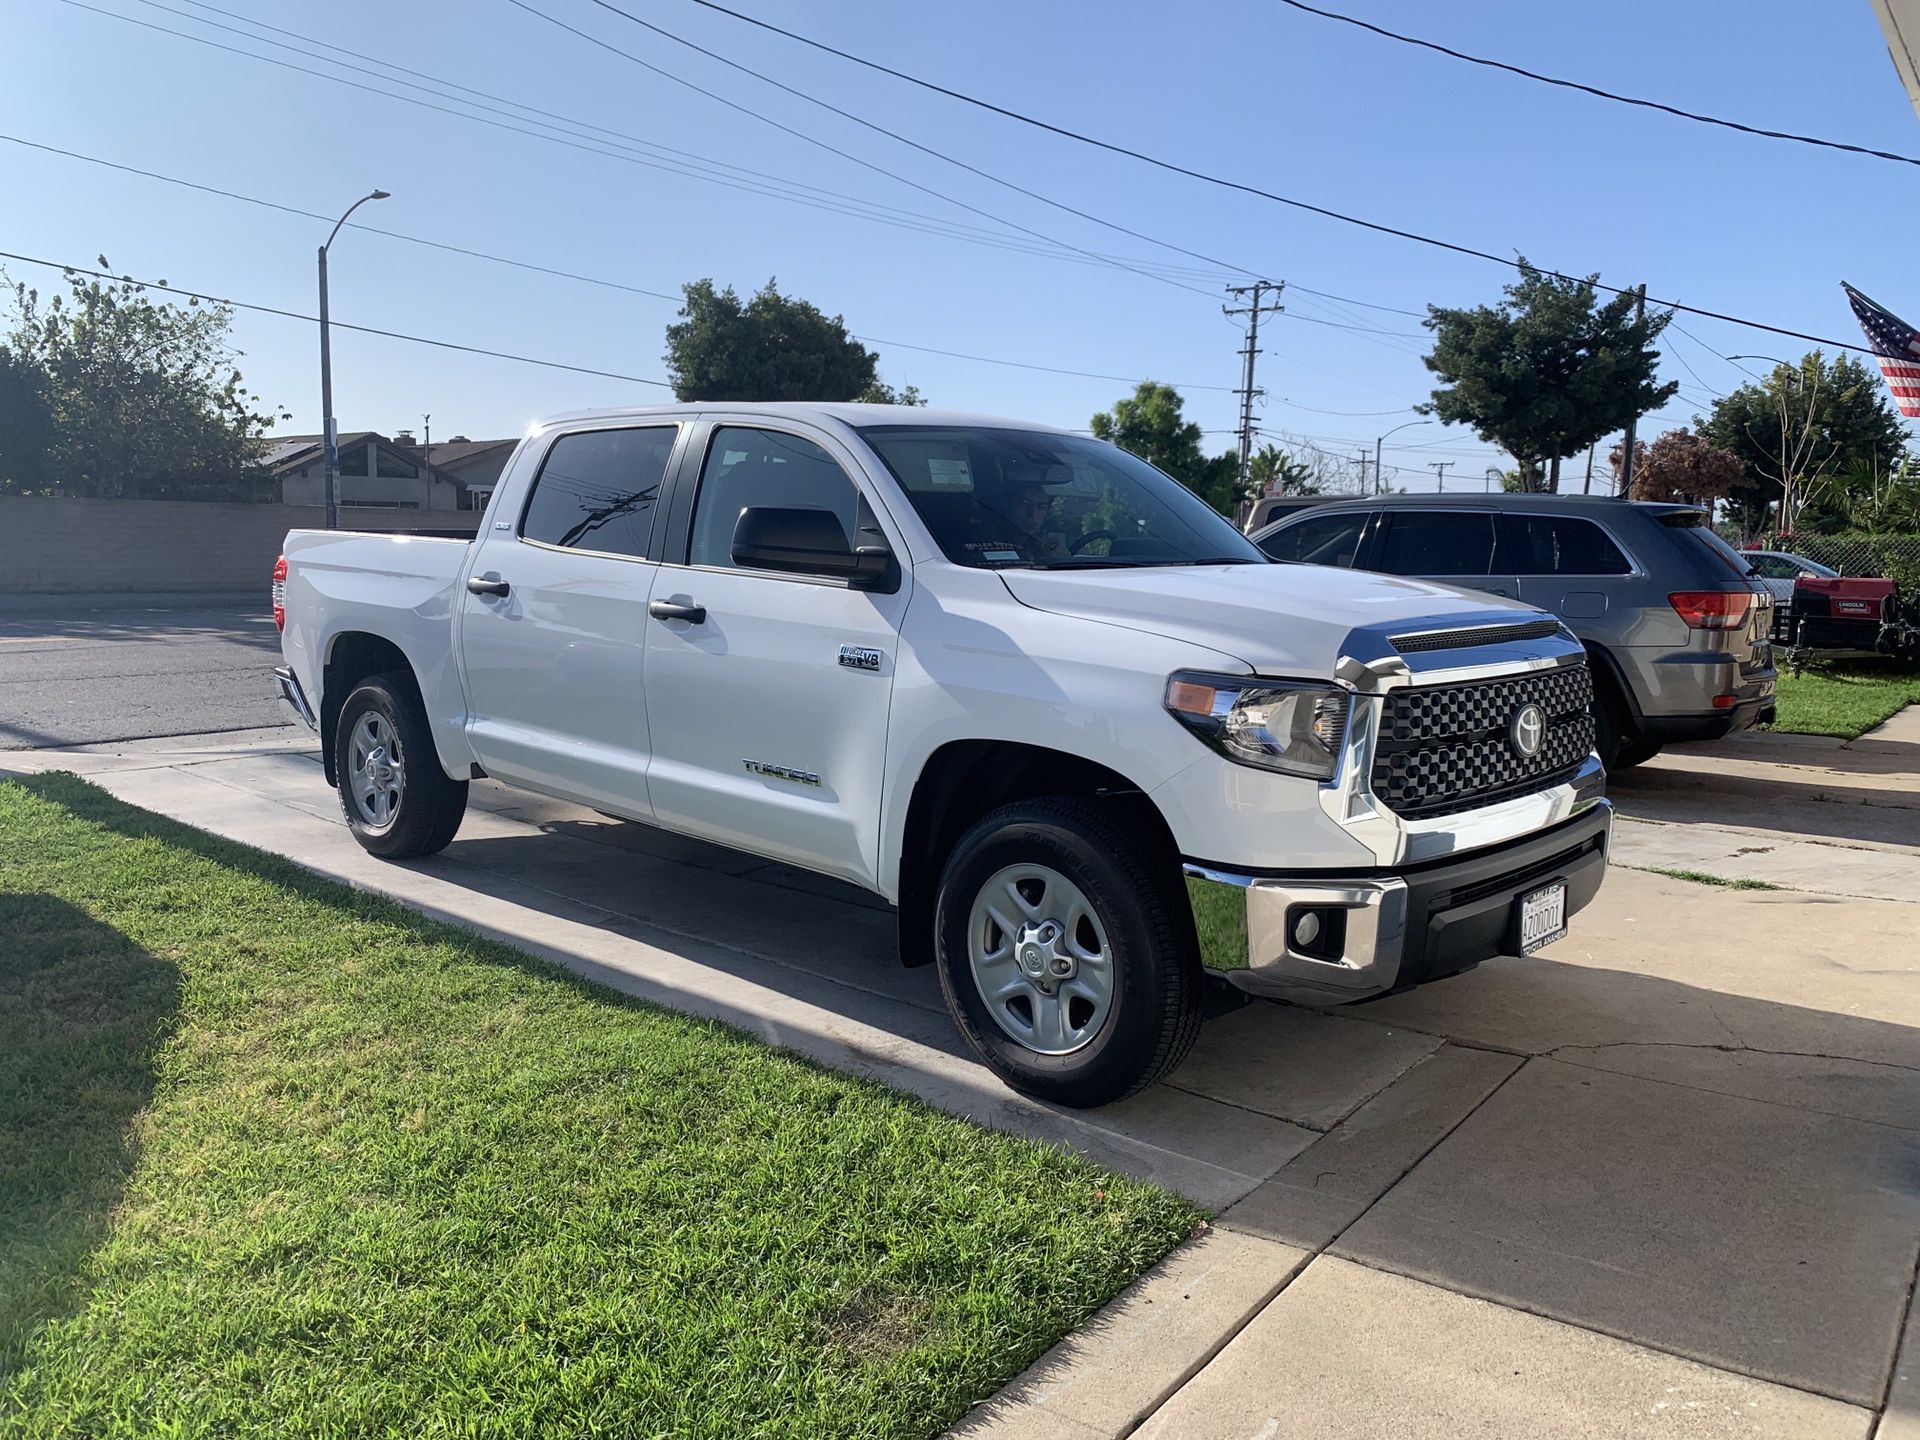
(1896,345)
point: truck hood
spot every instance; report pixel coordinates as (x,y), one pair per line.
(1278,619)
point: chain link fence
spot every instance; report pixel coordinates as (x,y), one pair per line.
(1895,556)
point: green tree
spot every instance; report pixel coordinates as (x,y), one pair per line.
(1272,471)
(26,425)
(1150,423)
(772,347)
(1799,431)
(1548,371)
(881,393)
(141,396)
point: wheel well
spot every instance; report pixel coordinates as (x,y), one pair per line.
(355,655)
(966,779)
(1609,680)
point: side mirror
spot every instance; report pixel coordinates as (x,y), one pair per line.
(806,542)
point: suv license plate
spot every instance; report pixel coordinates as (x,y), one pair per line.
(1543,916)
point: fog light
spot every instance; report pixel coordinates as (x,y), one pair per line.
(1318,932)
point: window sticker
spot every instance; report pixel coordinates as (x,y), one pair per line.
(945,473)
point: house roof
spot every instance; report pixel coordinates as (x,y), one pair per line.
(455,453)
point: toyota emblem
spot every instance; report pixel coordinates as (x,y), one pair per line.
(1527,730)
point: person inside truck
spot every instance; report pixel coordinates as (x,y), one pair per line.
(1030,509)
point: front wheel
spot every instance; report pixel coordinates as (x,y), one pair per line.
(399,803)
(1062,953)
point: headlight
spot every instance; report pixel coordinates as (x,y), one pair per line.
(1275,724)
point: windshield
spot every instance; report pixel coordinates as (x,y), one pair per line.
(998,498)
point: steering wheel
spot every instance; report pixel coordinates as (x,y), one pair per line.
(1081,543)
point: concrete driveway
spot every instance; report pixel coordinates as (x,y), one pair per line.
(1661,1179)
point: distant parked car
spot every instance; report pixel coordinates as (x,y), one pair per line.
(1269,508)
(1679,633)
(1776,571)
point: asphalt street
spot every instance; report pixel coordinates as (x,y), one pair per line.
(73,677)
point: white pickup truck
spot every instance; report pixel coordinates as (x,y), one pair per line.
(1086,738)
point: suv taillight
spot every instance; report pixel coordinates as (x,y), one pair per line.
(1712,609)
(280,593)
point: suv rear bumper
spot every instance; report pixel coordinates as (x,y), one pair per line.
(1402,928)
(1755,709)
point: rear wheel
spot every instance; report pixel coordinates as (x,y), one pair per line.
(1062,955)
(398,802)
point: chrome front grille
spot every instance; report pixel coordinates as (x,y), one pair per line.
(1449,747)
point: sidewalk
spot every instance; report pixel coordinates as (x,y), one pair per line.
(1662,1179)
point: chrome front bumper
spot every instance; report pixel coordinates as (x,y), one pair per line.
(1401,929)
(291,692)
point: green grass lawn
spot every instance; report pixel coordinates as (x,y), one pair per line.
(280,1158)
(1845,700)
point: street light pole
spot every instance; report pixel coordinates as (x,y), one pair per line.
(329,439)
(1378,487)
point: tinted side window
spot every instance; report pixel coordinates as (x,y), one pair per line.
(1774,568)
(596,490)
(1319,540)
(1438,542)
(746,468)
(1562,545)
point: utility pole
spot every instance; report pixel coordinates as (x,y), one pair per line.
(1440,468)
(1586,487)
(1256,305)
(1626,465)
(1360,459)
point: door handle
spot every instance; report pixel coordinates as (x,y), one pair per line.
(478,586)
(674,610)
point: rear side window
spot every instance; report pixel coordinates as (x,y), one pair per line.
(1561,545)
(596,490)
(1319,540)
(1438,542)
(1735,563)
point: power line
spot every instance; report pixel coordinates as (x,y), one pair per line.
(563,274)
(337,324)
(1174,167)
(1596,91)
(833,203)
(845,154)
(895,135)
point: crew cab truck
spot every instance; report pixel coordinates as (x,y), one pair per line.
(1084,736)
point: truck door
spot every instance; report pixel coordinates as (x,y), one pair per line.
(767,692)
(554,617)
(1454,547)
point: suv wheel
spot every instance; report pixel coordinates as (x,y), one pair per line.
(1614,737)
(398,802)
(1062,954)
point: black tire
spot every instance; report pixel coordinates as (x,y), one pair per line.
(1154,1013)
(431,803)
(1613,733)
(1636,752)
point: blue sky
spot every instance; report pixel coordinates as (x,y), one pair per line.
(1246,88)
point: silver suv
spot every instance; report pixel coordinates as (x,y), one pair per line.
(1678,630)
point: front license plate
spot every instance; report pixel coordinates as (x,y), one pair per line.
(1543,916)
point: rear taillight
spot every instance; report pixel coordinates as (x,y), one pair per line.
(280,593)
(1712,609)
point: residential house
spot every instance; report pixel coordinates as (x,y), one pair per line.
(396,473)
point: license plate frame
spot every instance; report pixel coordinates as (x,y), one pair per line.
(1540,916)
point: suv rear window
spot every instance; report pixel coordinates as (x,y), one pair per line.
(1561,545)
(1737,564)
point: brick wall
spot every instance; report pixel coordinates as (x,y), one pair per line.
(55,545)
